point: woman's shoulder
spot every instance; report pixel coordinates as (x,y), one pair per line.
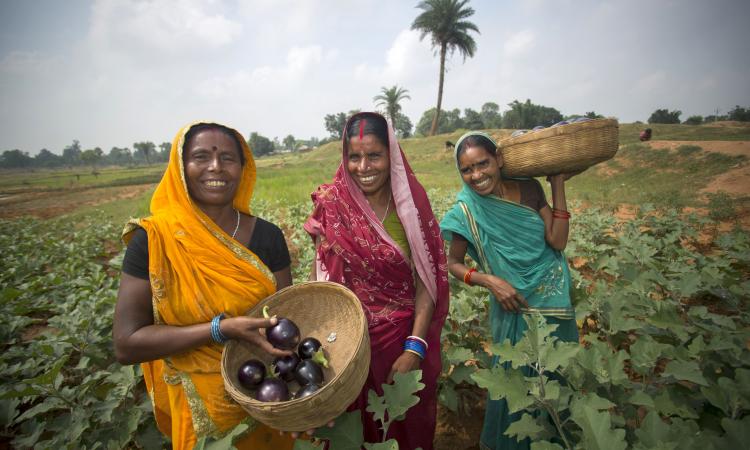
(263,226)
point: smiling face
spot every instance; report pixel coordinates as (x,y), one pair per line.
(212,168)
(368,163)
(480,170)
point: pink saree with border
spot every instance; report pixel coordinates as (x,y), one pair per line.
(355,250)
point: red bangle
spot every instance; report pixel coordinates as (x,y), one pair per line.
(560,214)
(467,276)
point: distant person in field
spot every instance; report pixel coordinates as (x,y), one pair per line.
(645,135)
(375,233)
(191,271)
(516,240)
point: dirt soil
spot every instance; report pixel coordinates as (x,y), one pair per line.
(459,431)
(44,205)
(736,181)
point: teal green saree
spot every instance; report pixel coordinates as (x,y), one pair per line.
(507,240)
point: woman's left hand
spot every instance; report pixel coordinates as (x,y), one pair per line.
(562,177)
(406,362)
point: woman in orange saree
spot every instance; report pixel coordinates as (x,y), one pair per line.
(201,278)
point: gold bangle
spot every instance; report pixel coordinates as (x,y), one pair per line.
(416,353)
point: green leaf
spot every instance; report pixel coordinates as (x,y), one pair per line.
(525,427)
(8,411)
(461,374)
(719,396)
(346,433)
(376,405)
(457,355)
(737,432)
(48,377)
(545,445)
(597,430)
(505,383)
(669,404)
(448,397)
(652,431)
(591,400)
(227,442)
(49,404)
(399,396)
(645,352)
(562,355)
(515,354)
(685,370)
(390,444)
(642,399)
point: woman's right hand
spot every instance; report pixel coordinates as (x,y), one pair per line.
(510,299)
(248,329)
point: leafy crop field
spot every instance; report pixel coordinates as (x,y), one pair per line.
(661,298)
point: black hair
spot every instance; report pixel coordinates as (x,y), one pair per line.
(477,140)
(195,129)
(373,124)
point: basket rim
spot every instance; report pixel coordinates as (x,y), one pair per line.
(251,401)
(557,131)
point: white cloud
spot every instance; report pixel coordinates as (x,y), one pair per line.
(153,26)
(519,43)
(405,61)
(265,80)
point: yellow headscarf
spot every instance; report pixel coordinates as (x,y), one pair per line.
(197,271)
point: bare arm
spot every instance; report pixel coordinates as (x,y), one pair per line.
(509,298)
(423,310)
(556,230)
(138,339)
(283,277)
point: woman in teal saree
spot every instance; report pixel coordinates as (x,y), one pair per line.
(516,239)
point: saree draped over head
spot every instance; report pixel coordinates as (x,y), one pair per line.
(355,250)
(507,239)
(196,272)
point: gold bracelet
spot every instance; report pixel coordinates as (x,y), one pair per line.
(416,353)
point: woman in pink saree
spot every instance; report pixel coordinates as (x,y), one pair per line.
(375,233)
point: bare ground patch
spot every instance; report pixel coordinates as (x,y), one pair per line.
(735,181)
(44,205)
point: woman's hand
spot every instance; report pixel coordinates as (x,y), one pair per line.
(248,329)
(406,362)
(562,177)
(509,298)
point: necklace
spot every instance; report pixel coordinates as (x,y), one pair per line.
(237,227)
(386,209)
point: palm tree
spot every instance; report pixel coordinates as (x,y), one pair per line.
(390,99)
(443,21)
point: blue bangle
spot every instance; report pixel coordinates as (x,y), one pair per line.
(216,333)
(415,347)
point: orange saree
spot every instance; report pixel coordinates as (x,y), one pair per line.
(196,272)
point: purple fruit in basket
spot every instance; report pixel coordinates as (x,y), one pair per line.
(272,390)
(284,335)
(311,348)
(538,127)
(251,373)
(284,366)
(308,347)
(307,390)
(308,372)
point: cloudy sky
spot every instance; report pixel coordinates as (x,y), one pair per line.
(110,73)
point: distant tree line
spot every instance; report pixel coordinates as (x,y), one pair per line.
(738,114)
(74,156)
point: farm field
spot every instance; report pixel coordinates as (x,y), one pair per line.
(659,253)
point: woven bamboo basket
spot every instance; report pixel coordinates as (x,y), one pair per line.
(319,308)
(566,148)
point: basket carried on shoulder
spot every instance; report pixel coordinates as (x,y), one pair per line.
(319,308)
(566,148)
